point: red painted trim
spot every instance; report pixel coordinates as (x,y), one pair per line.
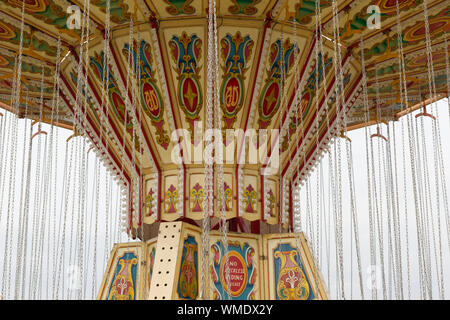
(118,135)
(311,152)
(88,118)
(262,198)
(255,227)
(137,115)
(242,225)
(302,72)
(233,225)
(291,100)
(141,190)
(266,26)
(237,190)
(186,220)
(158,168)
(154,26)
(159,196)
(310,123)
(184,192)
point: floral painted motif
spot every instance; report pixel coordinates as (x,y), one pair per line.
(8,62)
(119,10)
(439,24)
(236,51)
(151,100)
(308,94)
(116,100)
(246,7)
(177,7)
(123,284)
(188,281)
(228,197)
(149,202)
(250,199)
(241,270)
(171,199)
(186,52)
(291,282)
(281,60)
(31,44)
(197,197)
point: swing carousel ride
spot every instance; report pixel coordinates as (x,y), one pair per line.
(212,113)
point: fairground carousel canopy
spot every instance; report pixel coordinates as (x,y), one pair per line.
(150,83)
(211,115)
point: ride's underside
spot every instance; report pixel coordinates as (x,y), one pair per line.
(268,77)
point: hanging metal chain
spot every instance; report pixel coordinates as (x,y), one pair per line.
(340,105)
(369,183)
(412,151)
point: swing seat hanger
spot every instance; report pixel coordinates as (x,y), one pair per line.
(378,135)
(342,135)
(424,113)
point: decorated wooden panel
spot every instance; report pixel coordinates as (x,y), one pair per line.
(228,196)
(196,196)
(271,200)
(245,8)
(150,255)
(251,196)
(123,276)
(292,274)
(172,202)
(151,199)
(176,9)
(269,78)
(188,277)
(186,56)
(243,278)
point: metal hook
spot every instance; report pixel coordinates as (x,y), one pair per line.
(378,134)
(72,136)
(38,133)
(342,135)
(425,114)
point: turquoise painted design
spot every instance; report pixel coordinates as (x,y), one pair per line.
(116,100)
(236,51)
(281,56)
(186,52)
(309,91)
(119,10)
(291,282)
(177,7)
(242,271)
(188,279)
(47,11)
(123,284)
(305,10)
(150,95)
(246,7)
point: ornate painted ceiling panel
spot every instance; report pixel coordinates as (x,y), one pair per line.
(269,74)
